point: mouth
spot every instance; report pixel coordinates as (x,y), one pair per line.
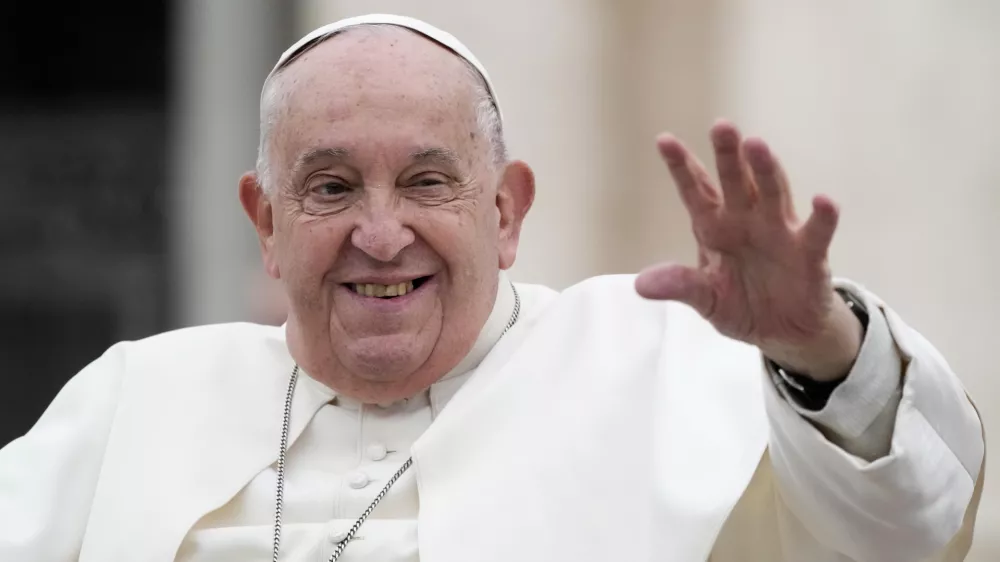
(391,291)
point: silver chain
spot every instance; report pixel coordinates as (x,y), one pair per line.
(283,449)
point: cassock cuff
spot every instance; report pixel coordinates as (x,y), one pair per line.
(860,413)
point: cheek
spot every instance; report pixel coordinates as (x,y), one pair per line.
(309,248)
(458,225)
(488,225)
(467,242)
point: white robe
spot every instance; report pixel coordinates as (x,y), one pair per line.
(602,427)
(332,474)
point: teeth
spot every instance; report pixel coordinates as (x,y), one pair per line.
(377,290)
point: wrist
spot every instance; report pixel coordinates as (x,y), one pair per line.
(831,355)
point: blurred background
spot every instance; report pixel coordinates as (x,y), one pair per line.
(124,127)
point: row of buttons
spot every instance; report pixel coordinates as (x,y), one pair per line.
(358,479)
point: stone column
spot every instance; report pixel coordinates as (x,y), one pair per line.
(223,51)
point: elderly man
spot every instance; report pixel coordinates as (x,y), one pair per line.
(419,405)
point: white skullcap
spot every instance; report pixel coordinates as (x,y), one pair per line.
(443,38)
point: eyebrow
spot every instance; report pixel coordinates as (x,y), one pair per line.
(429,155)
(310,157)
(440,155)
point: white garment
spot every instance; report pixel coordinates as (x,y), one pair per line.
(342,460)
(602,427)
(333,471)
(345,455)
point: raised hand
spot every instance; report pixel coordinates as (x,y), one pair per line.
(762,274)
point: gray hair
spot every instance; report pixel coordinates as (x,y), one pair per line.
(273,97)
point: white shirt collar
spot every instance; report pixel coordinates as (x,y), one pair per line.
(503,308)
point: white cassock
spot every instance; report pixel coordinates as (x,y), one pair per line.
(602,427)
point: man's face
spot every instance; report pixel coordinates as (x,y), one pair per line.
(386,226)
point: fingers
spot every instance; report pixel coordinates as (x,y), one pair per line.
(770,178)
(818,231)
(750,175)
(735,175)
(678,283)
(693,182)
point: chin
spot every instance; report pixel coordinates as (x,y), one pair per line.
(386,359)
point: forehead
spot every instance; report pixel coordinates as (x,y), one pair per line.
(381,84)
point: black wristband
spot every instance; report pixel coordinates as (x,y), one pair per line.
(809,393)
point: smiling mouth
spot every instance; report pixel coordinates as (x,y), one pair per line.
(380,291)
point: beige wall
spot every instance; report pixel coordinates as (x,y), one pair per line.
(890,107)
(223,49)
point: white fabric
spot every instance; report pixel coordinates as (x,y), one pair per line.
(602,427)
(343,458)
(860,414)
(427,30)
(321,503)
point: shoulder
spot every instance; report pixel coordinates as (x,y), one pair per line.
(207,354)
(601,286)
(609,305)
(610,300)
(611,292)
(183,350)
(211,338)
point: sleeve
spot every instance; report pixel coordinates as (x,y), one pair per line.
(860,412)
(907,504)
(48,476)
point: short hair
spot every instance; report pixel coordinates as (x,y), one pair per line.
(487,113)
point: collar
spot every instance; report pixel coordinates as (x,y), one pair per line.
(503,307)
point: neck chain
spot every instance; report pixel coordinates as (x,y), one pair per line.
(280,487)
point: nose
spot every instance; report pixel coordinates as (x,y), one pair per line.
(379,231)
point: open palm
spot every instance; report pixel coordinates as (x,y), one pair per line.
(762,275)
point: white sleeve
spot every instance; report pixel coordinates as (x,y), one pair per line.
(48,476)
(860,413)
(905,505)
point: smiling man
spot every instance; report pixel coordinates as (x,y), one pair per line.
(419,405)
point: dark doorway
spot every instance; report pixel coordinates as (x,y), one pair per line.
(83,141)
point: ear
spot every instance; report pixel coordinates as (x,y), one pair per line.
(514,198)
(258,208)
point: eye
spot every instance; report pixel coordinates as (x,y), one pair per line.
(331,188)
(428,180)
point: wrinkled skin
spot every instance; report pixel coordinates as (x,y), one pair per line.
(763,276)
(380,174)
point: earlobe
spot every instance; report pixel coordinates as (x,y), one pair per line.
(514,198)
(259,210)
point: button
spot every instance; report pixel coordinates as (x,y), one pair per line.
(337,535)
(357,480)
(376,451)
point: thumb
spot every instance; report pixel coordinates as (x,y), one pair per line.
(675,282)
